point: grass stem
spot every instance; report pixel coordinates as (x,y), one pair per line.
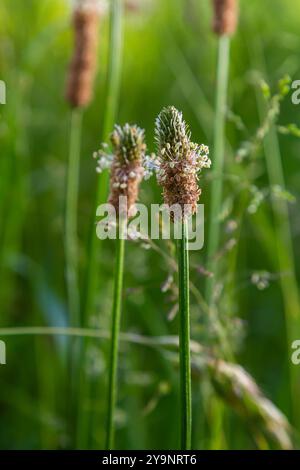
(72,184)
(71,247)
(184,340)
(216,201)
(92,274)
(218,161)
(112,98)
(115,332)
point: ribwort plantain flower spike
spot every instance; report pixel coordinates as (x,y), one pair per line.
(179,161)
(226,17)
(82,69)
(127,171)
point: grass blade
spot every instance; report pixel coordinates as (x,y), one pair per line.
(218,161)
(71,219)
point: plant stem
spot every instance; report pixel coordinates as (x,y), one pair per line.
(115,331)
(112,98)
(184,340)
(218,161)
(150,341)
(71,254)
(71,219)
(217,440)
(93,248)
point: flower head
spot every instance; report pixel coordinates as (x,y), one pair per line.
(129,149)
(226,16)
(82,69)
(179,160)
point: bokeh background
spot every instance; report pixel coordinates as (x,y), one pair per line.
(169,57)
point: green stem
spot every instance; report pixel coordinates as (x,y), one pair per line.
(218,161)
(71,248)
(112,98)
(115,333)
(71,218)
(151,341)
(216,203)
(93,248)
(184,340)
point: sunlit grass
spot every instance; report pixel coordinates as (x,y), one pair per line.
(168,57)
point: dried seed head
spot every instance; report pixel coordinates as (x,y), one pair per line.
(82,69)
(226,17)
(126,170)
(238,389)
(179,161)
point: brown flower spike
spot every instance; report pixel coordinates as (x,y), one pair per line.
(82,69)
(126,167)
(226,17)
(179,161)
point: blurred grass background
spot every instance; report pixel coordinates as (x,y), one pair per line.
(169,58)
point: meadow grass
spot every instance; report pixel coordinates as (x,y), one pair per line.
(285,258)
(92,277)
(33,142)
(71,241)
(216,188)
(109,109)
(216,192)
(115,332)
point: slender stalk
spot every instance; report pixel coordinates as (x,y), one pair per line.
(219,157)
(93,248)
(115,332)
(184,340)
(155,341)
(217,440)
(112,98)
(71,218)
(71,254)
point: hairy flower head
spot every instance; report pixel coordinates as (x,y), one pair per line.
(82,69)
(128,143)
(226,16)
(179,161)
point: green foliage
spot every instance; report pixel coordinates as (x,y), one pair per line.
(169,57)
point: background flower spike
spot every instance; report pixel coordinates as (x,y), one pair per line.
(225,17)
